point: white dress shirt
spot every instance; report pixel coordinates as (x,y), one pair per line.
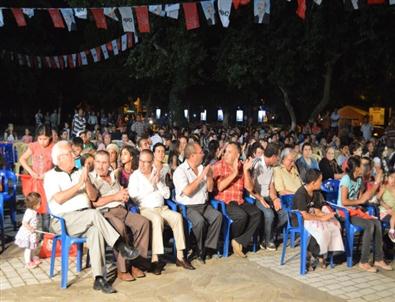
(145,193)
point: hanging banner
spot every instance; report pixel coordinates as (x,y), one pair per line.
(56,17)
(99,17)
(68,16)
(209,11)
(224,8)
(28,12)
(157,10)
(142,18)
(301,10)
(110,12)
(81,13)
(172,10)
(105,51)
(19,17)
(191,15)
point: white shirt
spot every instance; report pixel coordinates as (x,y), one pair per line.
(106,189)
(156,139)
(182,177)
(55,181)
(145,193)
(262,176)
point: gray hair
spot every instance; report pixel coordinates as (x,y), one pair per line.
(286,152)
(57,151)
(189,149)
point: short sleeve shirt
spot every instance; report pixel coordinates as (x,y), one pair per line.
(304,202)
(353,186)
(41,157)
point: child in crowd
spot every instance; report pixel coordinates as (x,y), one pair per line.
(77,146)
(27,237)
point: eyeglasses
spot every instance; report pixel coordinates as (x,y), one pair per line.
(145,161)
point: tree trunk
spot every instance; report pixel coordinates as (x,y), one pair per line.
(289,107)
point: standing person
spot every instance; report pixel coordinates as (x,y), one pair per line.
(138,126)
(231,177)
(27,237)
(79,123)
(390,133)
(39,118)
(54,119)
(366,129)
(40,154)
(27,138)
(335,118)
(92,120)
(192,183)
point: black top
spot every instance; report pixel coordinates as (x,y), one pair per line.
(329,168)
(304,202)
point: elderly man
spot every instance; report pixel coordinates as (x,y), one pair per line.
(192,183)
(286,177)
(111,203)
(231,178)
(306,162)
(147,188)
(69,193)
(265,194)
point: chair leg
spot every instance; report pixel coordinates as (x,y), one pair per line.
(65,263)
(80,251)
(53,257)
(285,241)
(227,240)
(87,259)
(331,263)
(292,240)
(13,212)
(350,248)
(303,252)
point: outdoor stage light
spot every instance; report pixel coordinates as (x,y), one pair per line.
(261,115)
(158,114)
(239,115)
(220,115)
(203,115)
(186,114)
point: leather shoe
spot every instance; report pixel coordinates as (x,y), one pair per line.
(156,268)
(136,272)
(103,285)
(128,252)
(201,259)
(125,277)
(184,263)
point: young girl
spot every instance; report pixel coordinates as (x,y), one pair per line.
(27,237)
(40,153)
(387,203)
(129,163)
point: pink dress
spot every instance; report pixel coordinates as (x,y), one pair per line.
(24,238)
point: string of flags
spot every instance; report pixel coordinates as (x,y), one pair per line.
(73,60)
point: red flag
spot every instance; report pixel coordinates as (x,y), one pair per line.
(301,10)
(376,1)
(100,19)
(244,2)
(19,17)
(119,44)
(56,17)
(98,53)
(142,18)
(191,15)
(47,62)
(130,39)
(70,61)
(109,46)
(236,4)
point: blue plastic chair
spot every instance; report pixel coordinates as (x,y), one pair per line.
(66,242)
(8,196)
(330,189)
(9,153)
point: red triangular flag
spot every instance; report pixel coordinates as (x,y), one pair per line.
(100,19)
(301,10)
(109,46)
(56,17)
(19,16)
(98,53)
(142,18)
(376,1)
(236,3)
(191,15)
(244,2)
(130,39)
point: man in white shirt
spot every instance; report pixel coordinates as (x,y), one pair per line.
(69,193)
(192,183)
(133,228)
(149,191)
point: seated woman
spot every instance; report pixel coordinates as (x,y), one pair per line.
(351,197)
(318,220)
(329,166)
(387,203)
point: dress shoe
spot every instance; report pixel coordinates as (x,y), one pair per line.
(136,272)
(103,285)
(126,251)
(201,259)
(156,268)
(184,263)
(238,249)
(126,277)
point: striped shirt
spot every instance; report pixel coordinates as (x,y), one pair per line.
(79,124)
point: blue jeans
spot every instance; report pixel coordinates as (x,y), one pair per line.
(269,215)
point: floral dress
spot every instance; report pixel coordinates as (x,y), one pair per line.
(24,238)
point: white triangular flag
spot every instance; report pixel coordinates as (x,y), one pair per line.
(20,59)
(28,12)
(224,8)
(1,18)
(94,55)
(81,13)
(320,1)
(172,10)
(157,10)
(74,58)
(209,11)
(57,63)
(68,16)
(48,61)
(110,12)
(104,51)
(39,62)
(28,61)
(84,59)
(127,19)
(115,49)
(65,61)
(124,42)
(392,2)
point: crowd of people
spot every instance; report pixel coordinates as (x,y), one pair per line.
(92,175)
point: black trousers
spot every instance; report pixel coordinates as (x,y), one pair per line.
(246,220)
(206,225)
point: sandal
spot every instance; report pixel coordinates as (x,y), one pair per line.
(36,260)
(367,267)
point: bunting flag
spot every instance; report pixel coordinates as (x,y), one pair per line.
(157,10)
(376,2)
(142,18)
(392,2)
(262,11)
(68,17)
(115,50)
(209,11)
(191,15)
(39,62)
(301,10)
(57,64)
(81,13)
(224,8)
(61,63)
(70,61)
(124,42)
(47,62)
(100,20)
(19,17)
(84,59)
(127,19)
(130,39)
(110,12)
(352,4)
(98,53)
(20,59)
(65,61)
(105,51)
(28,63)
(318,2)
(172,10)
(1,18)
(56,17)
(94,55)
(75,59)
(28,12)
